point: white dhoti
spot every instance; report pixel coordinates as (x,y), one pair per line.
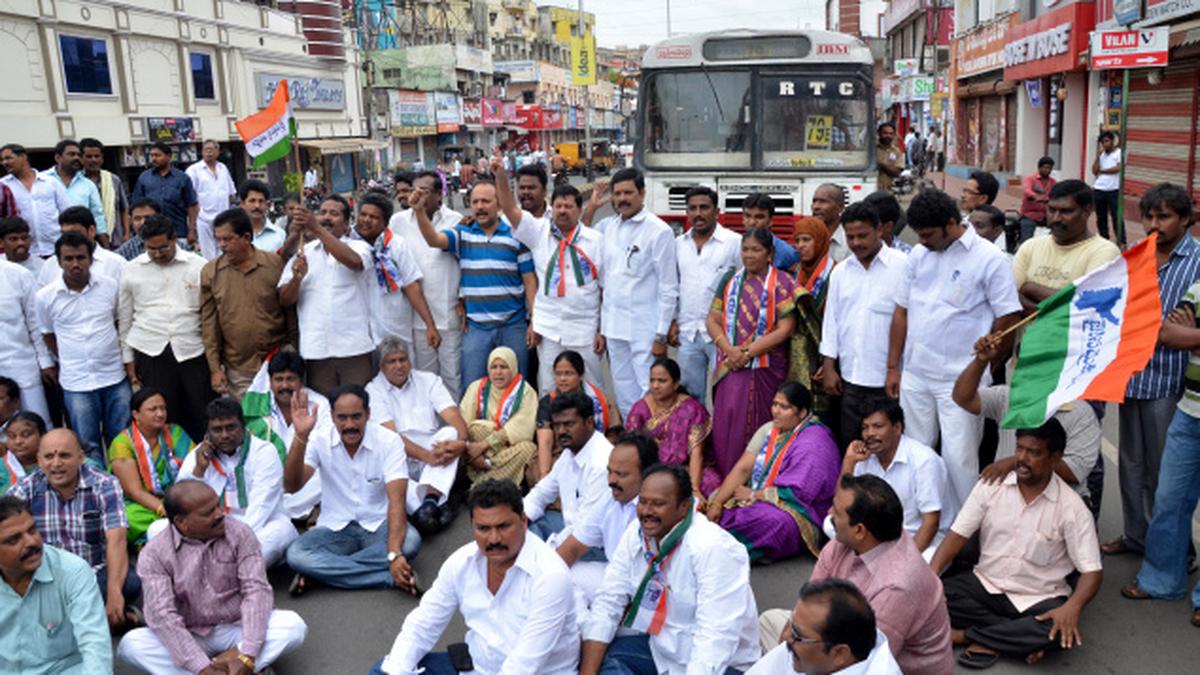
(275,537)
(423,478)
(630,362)
(207,238)
(587,576)
(141,648)
(300,503)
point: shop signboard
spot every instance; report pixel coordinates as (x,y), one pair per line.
(1141,48)
(511,113)
(922,88)
(552,119)
(527,116)
(1126,12)
(412,112)
(424,67)
(449,111)
(306,93)
(520,71)
(1052,43)
(491,112)
(1163,11)
(170,129)
(982,50)
(905,67)
(472,112)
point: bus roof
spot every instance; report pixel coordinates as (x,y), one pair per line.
(746,47)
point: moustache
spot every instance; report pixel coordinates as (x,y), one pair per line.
(31,552)
(1022,465)
(616,487)
(351,430)
(496,547)
(326,223)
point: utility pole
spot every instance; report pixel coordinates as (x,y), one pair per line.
(668,18)
(587,104)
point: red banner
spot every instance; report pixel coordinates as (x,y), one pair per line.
(1052,43)
(491,112)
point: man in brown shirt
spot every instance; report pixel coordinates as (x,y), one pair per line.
(241,319)
(887,156)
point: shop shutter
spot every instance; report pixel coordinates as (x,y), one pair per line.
(1160,128)
(991,129)
(1010,133)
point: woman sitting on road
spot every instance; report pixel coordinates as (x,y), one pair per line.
(501,415)
(568,377)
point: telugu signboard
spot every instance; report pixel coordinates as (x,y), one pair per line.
(412,113)
(1143,48)
(306,93)
(982,50)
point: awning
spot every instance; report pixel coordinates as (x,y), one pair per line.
(1186,33)
(337,146)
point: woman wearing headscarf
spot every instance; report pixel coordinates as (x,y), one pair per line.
(501,414)
(812,243)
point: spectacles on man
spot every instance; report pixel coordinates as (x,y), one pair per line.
(797,639)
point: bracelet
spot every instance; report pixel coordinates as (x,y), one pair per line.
(248,661)
(160,511)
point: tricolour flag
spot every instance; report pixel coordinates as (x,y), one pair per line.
(268,133)
(1088,339)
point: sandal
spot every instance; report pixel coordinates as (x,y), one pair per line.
(1135,592)
(1117,546)
(1196,618)
(298,586)
(977,660)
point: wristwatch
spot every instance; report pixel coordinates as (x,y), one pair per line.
(660,338)
(392,555)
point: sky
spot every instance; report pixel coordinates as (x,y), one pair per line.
(636,22)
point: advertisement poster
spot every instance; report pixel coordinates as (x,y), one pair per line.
(449,111)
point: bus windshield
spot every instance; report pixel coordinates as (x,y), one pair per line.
(728,120)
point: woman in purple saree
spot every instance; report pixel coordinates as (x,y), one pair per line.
(777,495)
(752,317)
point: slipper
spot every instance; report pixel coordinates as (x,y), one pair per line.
(1196,618)
(977,660)
(134,617)
(298,586)
(1134,592)
(1116,547)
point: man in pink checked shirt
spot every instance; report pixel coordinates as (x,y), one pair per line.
(209,608)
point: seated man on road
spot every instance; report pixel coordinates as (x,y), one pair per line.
(605,524)
(514,594)
(42,581)
(267,406)
(681,585)
(362,538)
(246,472)
(409,402)
(81,509)
(872,550)
(209,608)
(1034,533)
(832,630)
(579,478)
(913,469)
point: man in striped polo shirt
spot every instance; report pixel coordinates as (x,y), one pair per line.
(498,282)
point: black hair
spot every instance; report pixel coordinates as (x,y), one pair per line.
(703,191)
(31,417)
(437,180)
(850,620)
(647,447)
(1079,192)
(885,205)
(629,174)
(224,407)
(13,225)
(65,143)
(995,215)
(16,148)
(572,357)
(292,198)
(1044,161)
(1051,432)
(567,190)
(1167,195)
(85,143)
(10,387)
(797,394)
(77,215)
(884,124)
(672,367)
(890,407)
(989,187)
(859,212)
(157,225)
(74,240)
(145,203)
(875,506)
(142,395)
(683,482)
(172,500)
(759,200)
(236,218)
(1107,135)
(536,171)
(340,201)
(490,493)
(253,185)
(379,201)
(837,189)
(356,390)
(161,147)
(761,235)
(286,362)
(932,208)
(11,507)
(404,176)
(577,401)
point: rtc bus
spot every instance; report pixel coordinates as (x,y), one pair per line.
(743,111)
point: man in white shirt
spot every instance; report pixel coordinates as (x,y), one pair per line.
(957,288)
(160,325)
(832,630)
(215,190)
(329,280)
(1107,170)
(638,273)
(15,240)
(246,473)
(396,292)
(440,285)
(362,538)
(858,314)
(915,472)
(24,356)
(566,256)
(579,478)
(409,402)
(603,526)
(706,623)
(703,254)
(78,318)
(310,178)
(514,594)
(827,203)
(253,197)
(104,262)
(39,198)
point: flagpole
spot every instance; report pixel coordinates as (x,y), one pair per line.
(996,337)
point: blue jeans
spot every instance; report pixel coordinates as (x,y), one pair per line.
(434,663)
(630,655)
(697,357)
(1164,567)
(98,416)
(351,557)
(478,343)
(131,590)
